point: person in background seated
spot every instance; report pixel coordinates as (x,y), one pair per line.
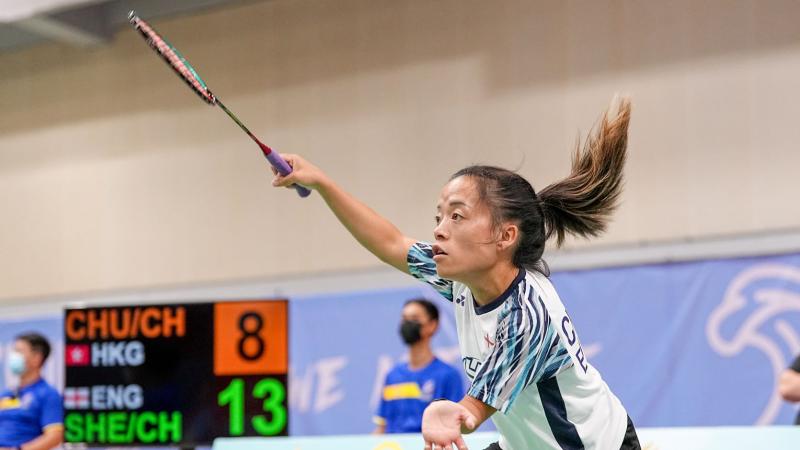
(789,385)
(31,417)
(411,386)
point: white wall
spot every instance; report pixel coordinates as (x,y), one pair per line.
(114,176)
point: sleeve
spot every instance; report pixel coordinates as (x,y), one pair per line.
(52,413)
(422,267)
(527,350)
(796,364)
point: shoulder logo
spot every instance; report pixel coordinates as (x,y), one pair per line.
(471,366)
(461,299)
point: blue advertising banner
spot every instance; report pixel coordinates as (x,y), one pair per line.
(692,344)
(683,344)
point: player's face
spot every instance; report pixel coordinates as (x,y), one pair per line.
(465,246)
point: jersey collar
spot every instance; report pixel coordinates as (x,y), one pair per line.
(491,306)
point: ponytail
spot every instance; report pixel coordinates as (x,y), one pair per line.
(579,204)
(582,203)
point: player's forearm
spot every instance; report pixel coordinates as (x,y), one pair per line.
(370,229)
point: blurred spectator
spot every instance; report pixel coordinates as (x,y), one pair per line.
(410,386)
(31,417)
(789,385)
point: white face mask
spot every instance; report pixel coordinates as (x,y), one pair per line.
(16,363)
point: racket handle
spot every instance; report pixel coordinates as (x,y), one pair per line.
(282,167)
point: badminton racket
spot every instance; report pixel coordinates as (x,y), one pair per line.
(173,57)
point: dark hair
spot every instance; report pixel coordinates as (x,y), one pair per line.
(579,205)
(38,343)
(430,308)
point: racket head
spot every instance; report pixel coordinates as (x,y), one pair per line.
(173,58)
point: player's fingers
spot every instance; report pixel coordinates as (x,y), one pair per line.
(430,445)
(283,180)
(290,158)
(460,444)
(469,421)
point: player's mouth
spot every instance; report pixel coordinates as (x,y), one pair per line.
(438,253)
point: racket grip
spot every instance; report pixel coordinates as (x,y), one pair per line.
(283,168)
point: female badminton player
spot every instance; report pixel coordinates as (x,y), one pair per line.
(519,347)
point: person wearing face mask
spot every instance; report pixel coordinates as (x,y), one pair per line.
(31,417)
(410,386)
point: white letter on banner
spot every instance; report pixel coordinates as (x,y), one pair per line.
(385,364)
(327,392)
(300,393)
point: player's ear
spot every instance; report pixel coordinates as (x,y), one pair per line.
(508,236)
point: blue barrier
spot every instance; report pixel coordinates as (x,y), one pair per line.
(701,438)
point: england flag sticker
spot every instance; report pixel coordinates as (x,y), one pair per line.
(76,398)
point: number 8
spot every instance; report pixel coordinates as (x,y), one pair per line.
(251,334)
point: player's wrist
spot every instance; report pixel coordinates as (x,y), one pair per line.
(324,184)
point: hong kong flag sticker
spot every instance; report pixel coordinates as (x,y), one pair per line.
(78,355)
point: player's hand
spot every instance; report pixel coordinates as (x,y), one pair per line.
(441,425)
(303,173)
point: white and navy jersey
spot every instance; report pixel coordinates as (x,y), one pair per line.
(524,359)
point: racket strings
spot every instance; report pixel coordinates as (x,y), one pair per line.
(174,59)
(183,69)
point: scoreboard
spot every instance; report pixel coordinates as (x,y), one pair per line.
(177,374)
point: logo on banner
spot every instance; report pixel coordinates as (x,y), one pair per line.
(752,316)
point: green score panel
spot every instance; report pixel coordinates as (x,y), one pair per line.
(177,375)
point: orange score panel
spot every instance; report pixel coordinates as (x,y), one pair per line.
(250,338)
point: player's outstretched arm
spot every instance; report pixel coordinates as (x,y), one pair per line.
(371,230)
